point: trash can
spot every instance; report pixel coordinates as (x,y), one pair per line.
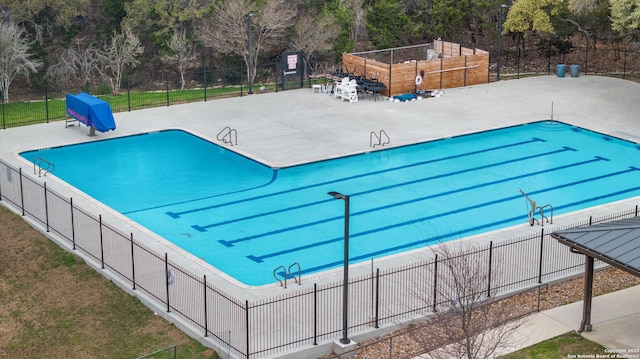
(560,70)
(575,70)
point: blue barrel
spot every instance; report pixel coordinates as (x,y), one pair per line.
(575,70)
(560,70)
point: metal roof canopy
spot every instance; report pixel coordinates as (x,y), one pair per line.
(616,243)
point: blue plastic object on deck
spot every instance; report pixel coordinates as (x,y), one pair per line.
(575,70)
(91,111)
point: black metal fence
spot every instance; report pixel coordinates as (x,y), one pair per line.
(297,318)
(620,60)
(148,90)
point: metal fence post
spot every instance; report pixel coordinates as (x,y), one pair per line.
(166,83)
(101,243)
(377,297)
(73,229)
(4,123)
(46,104)
(206,321)
(315,313)
(21,192)
(435,284)
(490,265)
(166,279)
(133,265)
(128,95)
(276,76)
(46,207)
(541,255)
(246,317)
(205,84)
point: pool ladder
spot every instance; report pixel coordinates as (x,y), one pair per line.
(286,274)
(43,166)
(228,135)
(381,138)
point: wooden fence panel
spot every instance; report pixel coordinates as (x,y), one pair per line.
(353,64)
(403,78)
(480,73)
(455,66)
(466,52)
(378,70)
(432,74)
(453,72)
(450,50)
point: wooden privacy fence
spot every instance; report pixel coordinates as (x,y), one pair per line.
(440,65)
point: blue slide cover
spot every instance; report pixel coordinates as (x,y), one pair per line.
(91,111)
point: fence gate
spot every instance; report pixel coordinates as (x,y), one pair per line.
(290,71)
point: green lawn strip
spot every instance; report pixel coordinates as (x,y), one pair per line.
(56,306)
(22,113)
(563,346)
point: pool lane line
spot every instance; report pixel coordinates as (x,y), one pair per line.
(444,214)
(274,176)
(203,228)
(438,238)
(458,190)
(421,163)
(380,253)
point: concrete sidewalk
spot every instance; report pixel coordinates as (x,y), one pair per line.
(615,318)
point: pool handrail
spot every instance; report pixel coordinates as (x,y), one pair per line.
(39,161)
(284,271)
(532,207)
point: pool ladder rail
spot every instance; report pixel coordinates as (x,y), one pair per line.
(381,138)
(43,166)
(287,273)
(228,135)
(533,207)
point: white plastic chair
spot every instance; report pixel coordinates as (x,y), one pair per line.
(337,92)
(350,93)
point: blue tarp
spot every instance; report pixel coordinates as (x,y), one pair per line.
(91,111)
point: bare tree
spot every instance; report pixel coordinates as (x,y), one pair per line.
(182,53)
(359,30)
(314,34)
(120,53)
(15,58)
(470,323)
(226,32)
(75,62)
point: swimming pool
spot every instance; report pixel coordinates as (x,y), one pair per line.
(247,219)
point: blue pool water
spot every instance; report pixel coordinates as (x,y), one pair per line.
(247,219)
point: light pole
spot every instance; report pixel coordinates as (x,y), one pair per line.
(345,282)
(249,31)
(502,6)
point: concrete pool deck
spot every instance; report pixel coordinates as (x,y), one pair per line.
(297,126)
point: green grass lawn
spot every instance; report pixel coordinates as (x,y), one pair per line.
(22,113)
(56,306)
(563,346)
